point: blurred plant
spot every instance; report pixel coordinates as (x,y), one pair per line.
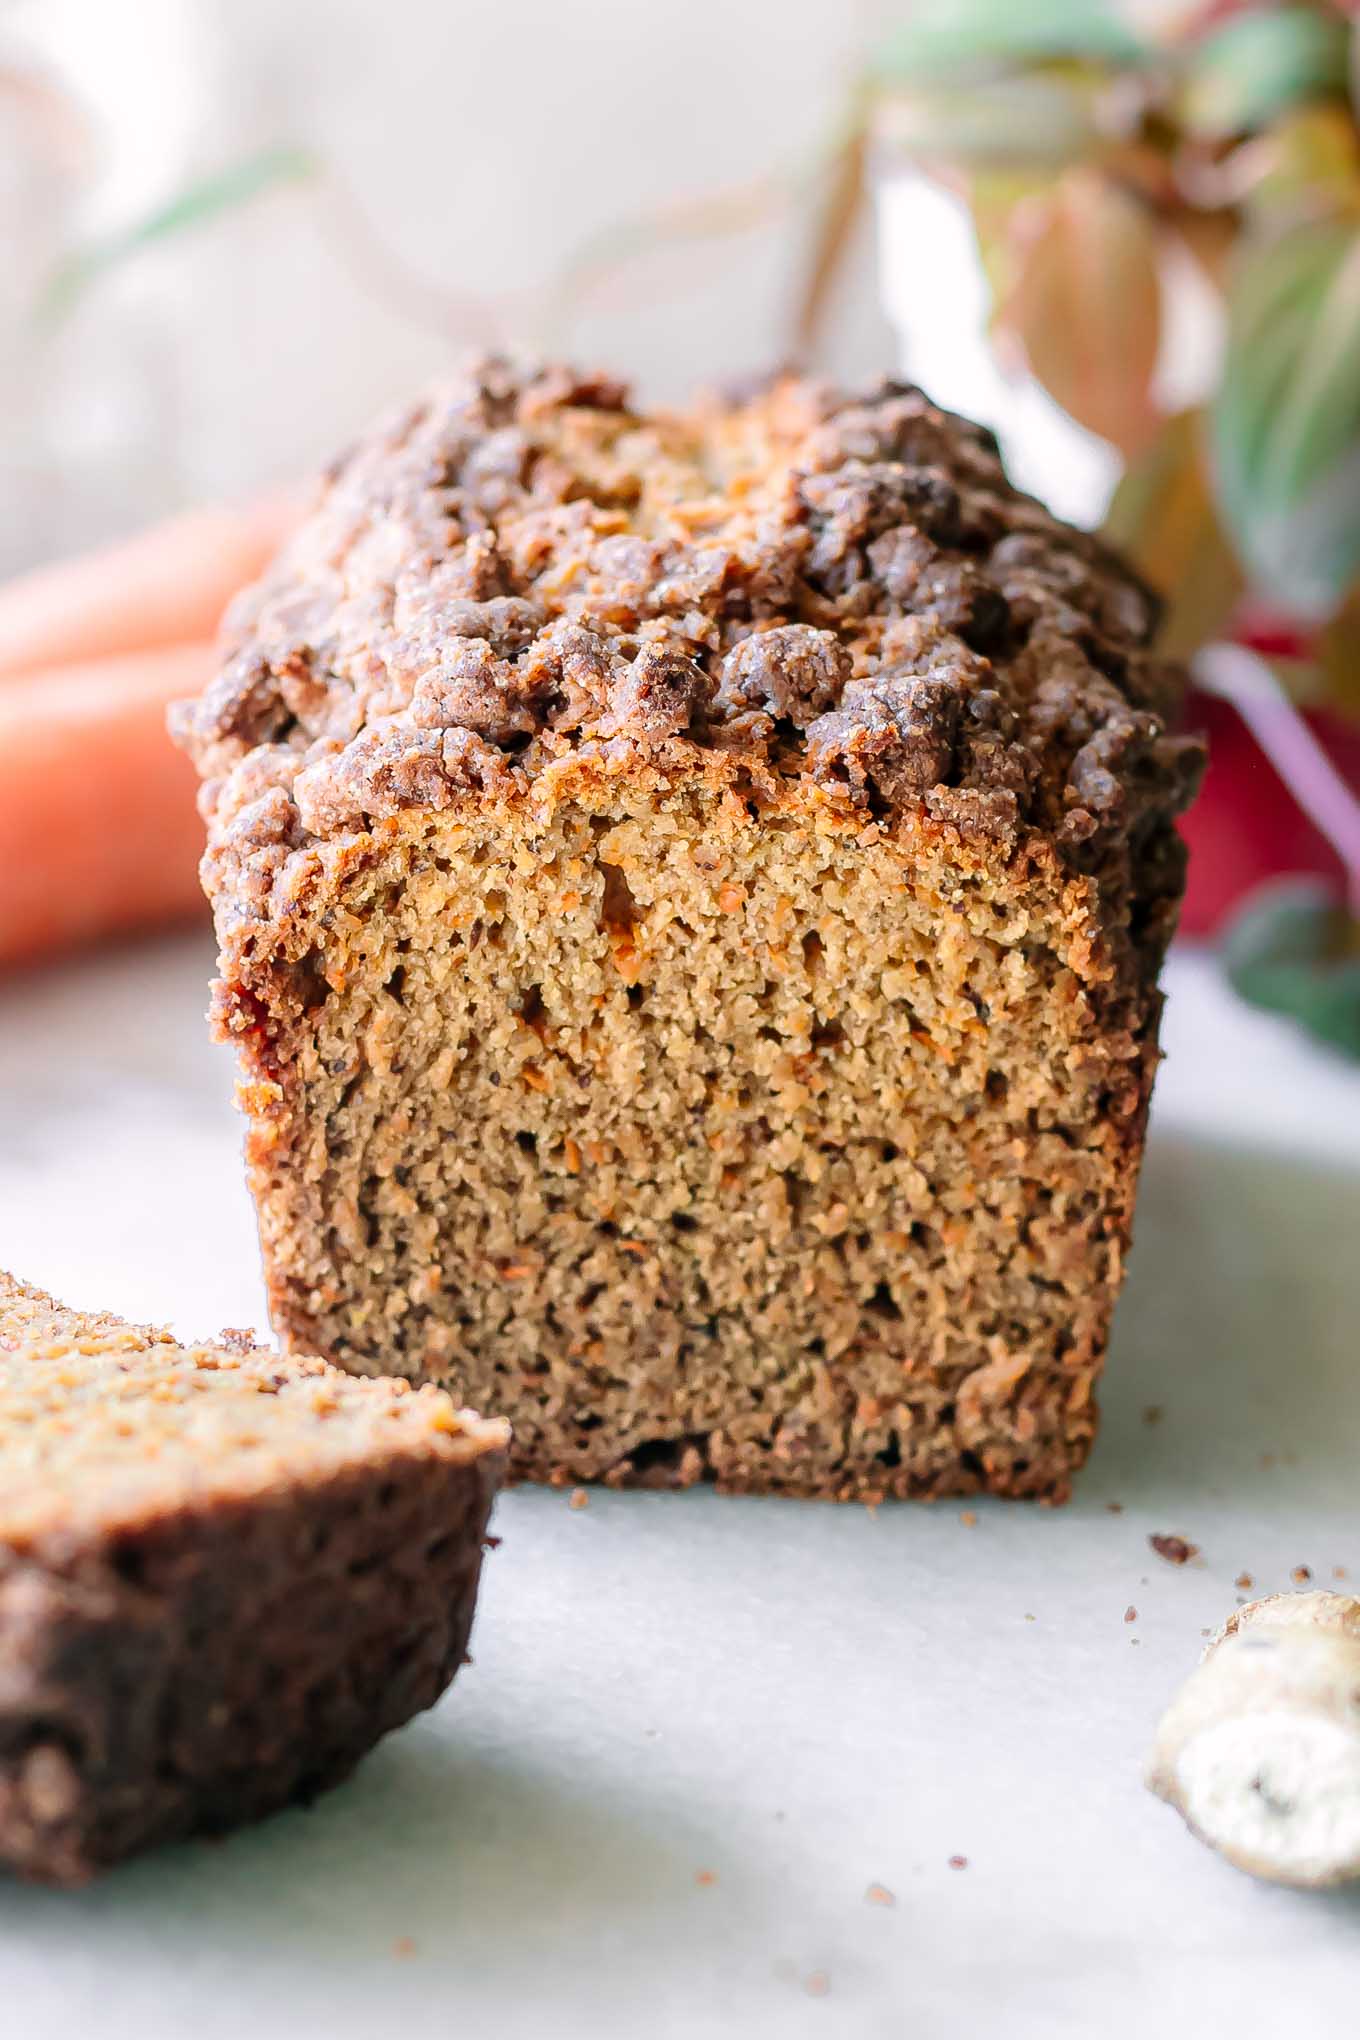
(220,191)
(1092,140)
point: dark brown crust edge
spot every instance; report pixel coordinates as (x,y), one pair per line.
(224,1663)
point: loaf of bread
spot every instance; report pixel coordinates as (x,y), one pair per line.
(223,1576)
(690,890)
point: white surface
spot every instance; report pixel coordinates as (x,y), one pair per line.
(800,1699)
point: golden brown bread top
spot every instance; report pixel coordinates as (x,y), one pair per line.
(522,569)
(104,1425)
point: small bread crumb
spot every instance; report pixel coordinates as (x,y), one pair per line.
(879,1894)
(958,1862)
(578,1499)
(1245,1581)
(705,1877)
(1175,1550)
(818,1984)
(1301,1575)
(1130,1613)
(968,1517)
(403,1945)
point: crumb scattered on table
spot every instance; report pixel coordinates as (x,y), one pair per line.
(705,1877)
(1115,1508)
(879,1894)
(968,1517)
(1175,1550)
(1245,1581)
(578,1499)
(1130,1613)
(403,1945)
(818,1984)
(1301,1575)
(958,1862)
(1154,1413)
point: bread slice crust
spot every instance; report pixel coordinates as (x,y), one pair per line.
(223,1576)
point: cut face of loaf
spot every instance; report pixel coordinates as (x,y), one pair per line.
(709,1132)
(691,891)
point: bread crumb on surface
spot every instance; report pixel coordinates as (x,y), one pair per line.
(958,1862)
(578,1499)
(1175,1550)
(879,1894)
(1245,1581)
(968,1518)
(1301,1575)
(705,1877)
(403,1945)
(1130,1613)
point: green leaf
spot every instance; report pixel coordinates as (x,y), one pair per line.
(1294,949)
(1046,115)
(1086,306)
(1286,418)
(1260,62)
(1162,517)
(1306,164)
(952,37)
(1338,656)
(219,192)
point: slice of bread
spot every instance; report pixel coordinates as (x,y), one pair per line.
(691,889)
(223,1575)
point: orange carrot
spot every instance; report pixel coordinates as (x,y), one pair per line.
(99,833)
(165,586)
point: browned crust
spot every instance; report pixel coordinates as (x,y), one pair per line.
(178,1658)
(521,569)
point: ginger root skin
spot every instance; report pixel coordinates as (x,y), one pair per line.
(1260,1750)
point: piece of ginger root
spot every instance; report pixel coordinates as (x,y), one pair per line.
(1260,1749)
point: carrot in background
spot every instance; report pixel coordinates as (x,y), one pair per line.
(99,833)
(168,585)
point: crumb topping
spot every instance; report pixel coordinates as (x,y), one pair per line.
(523,567)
